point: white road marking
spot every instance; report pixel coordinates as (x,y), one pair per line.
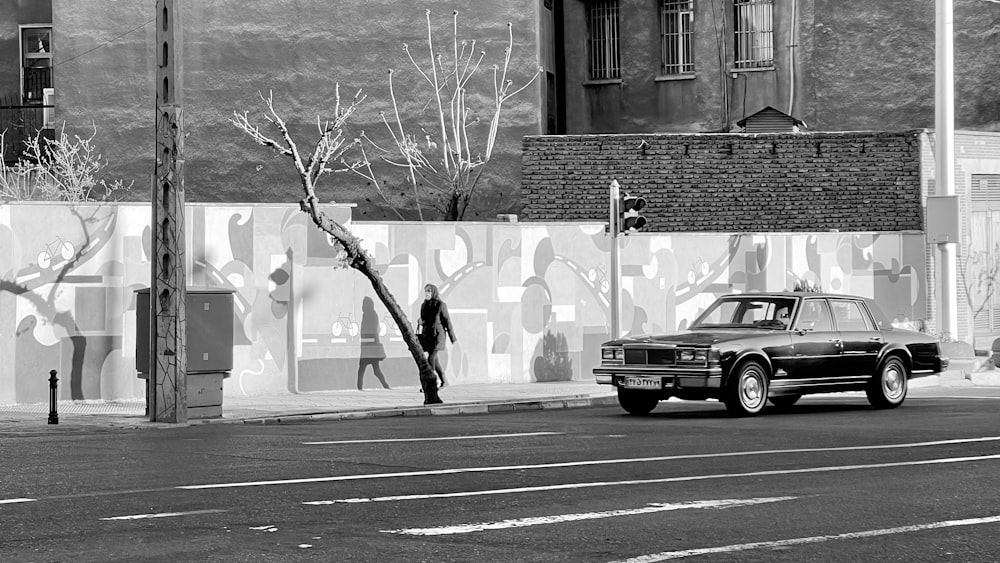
(987,397)
(558,519)
(515,435)
(162,515)
(592,484)
(16,500)
(667,555)
(575,464)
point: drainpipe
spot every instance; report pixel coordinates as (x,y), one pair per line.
(791,58)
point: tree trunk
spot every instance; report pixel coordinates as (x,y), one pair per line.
(358,259)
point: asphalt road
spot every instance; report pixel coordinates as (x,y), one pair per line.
(829,480)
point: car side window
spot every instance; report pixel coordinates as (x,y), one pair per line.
(850,316)
(815,316)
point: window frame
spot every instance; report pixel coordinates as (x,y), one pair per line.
(603,41)
(678,42)
(753,35)
(859,308)
(24,56)
(824,307)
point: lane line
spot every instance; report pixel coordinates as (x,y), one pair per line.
(458,470)
(440,438)
(16,500)
(558,519)
(986,397)
(667,555)
(592,484)
(163,515)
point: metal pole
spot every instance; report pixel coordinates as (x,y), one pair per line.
(944,126)
(616,268)
(53,402)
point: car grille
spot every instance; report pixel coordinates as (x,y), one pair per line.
(651,357)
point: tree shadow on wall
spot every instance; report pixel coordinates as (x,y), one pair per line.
(55,265)
(553,364)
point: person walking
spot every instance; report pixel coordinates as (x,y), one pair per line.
(434,323)
(372,351)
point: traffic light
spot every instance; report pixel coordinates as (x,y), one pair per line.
(632,221)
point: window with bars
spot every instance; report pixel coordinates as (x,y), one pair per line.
(602,40)
(754,36)
(676,37)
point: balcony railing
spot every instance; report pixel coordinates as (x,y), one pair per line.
(18,123)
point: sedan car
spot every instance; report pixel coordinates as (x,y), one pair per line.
(748,349)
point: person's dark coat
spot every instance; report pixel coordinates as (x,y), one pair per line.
(435,323)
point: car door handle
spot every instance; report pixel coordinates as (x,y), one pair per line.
(875,339)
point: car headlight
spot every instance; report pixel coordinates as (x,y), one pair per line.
(697,356)
(613,354)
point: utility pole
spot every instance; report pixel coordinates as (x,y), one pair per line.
(944,136)
(168,354)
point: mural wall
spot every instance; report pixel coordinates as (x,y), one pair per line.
(529,300)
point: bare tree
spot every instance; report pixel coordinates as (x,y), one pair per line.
(980,273)
(331,149)
(443,163)
(62,169)
(68,170)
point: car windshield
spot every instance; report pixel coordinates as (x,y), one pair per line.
(747,312)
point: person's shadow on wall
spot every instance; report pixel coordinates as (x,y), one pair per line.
(372,350)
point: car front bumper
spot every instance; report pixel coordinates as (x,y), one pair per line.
(638,377)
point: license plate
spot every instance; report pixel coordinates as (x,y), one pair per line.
(642,383)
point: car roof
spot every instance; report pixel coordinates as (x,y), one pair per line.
(794,294)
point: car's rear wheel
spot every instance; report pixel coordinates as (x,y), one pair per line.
(887,389)
(784,401)
(746,392)
(637,402)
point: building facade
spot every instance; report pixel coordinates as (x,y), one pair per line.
(300,52)
(27,52)
(643,66)
(609,66)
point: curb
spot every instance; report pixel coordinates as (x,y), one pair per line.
(442,410)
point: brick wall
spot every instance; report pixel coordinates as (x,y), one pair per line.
(849,181)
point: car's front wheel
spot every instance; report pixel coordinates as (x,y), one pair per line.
(637,402)
(746,392)
(887,389)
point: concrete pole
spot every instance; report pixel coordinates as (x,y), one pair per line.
(944,127)
(615,273)
(168,353)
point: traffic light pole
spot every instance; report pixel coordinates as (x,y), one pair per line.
(615,273)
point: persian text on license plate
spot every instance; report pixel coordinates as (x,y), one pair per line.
(642,383)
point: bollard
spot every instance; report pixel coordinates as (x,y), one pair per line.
(53,404)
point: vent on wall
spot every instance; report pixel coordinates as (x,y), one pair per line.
(770,120)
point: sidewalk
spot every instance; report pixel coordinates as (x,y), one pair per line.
(329,405)
(372,403)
